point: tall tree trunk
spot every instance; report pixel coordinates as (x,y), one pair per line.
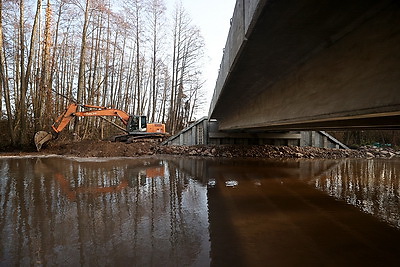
(128,88)
(139,72)
(112,86)
(82,61)
(121,75)
(45,78)
(107,61)
(23,118)
(21,103)
(4,86)
(174,66)
(164,98)
(56,107)
(138,64)
(157,10)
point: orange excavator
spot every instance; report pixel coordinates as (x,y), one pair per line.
(136,126)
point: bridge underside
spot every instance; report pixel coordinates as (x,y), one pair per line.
(310,64)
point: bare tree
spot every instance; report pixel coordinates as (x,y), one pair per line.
(82,58)
(187,51)
(156,10)
(25,73)
(4,86)
(43,104)
(111,57)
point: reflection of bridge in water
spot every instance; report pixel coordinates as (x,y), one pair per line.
(274,213)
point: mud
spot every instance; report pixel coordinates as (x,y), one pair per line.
(89,148)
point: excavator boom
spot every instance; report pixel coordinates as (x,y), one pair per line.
(70,112)
(63,120)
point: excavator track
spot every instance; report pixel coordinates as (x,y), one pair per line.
(129,138)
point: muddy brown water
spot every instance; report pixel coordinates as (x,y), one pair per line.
(180,211)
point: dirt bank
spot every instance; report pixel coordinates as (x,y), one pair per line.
(151,147)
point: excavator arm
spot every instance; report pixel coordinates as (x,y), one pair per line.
(64,119)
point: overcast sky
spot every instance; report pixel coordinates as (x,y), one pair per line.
(213,18)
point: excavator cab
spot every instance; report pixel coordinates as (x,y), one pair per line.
(136,124)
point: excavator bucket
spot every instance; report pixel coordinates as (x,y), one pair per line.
(41,138)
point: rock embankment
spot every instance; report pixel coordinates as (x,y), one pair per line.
(260,151)
(268,151)
(379,152)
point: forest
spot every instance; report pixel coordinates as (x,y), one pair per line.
(133,55)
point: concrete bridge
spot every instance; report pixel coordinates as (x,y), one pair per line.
(310,64)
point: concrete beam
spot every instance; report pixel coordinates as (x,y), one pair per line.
(213,135)
(310,64)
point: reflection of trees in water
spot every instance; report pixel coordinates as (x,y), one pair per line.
(56,211)
(371,185)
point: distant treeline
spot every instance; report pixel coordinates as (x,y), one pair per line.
(370,137)
(131,55)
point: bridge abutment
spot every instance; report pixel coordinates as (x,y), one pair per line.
(206,132)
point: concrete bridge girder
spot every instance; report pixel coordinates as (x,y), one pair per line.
(310,64)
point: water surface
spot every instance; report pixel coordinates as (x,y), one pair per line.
(176,211)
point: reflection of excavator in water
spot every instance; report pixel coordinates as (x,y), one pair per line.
(136,126)
(133,181)
(132,176)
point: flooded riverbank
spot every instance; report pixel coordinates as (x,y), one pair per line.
(181,211)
